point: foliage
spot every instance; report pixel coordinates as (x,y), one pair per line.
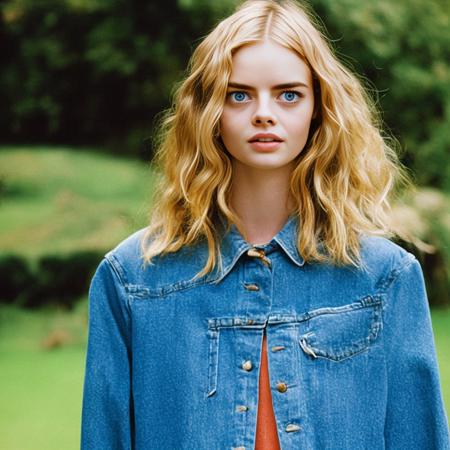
(403,49)
(15,277)
(425,214)
(78,71)
(60,211)
(56,279)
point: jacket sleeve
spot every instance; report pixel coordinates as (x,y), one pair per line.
(107,407)
(415,416)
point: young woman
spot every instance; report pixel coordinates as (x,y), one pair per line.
(262,307)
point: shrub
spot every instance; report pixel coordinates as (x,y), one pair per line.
(57,279)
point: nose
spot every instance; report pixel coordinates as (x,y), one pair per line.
(263,114)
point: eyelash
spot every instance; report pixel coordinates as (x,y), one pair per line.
(298,94)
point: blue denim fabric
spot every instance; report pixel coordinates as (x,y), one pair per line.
(354,346)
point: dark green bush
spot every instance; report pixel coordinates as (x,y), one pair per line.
(58,280)
(15,278)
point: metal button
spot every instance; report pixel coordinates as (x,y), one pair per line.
(251,287)
(281,387)
(242,408)
(278,348)
(291,427)
(255,252)
(247,365)
(259,253)
(238,448)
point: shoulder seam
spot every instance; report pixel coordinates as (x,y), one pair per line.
(384,284)
(117,268)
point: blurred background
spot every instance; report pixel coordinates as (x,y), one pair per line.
(82,83)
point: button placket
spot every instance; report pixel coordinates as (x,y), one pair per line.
(256,302)
(256,286)
(245,402)
(285,383)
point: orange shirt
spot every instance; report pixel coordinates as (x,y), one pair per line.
(266,428)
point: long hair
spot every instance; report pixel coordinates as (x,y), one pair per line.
(343,179)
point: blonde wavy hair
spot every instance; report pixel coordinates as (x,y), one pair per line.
(344,176)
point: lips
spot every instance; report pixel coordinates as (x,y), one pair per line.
(265,137)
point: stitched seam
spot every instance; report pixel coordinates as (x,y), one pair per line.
(242,248)
(388,304)
(118,269)
(375,302)
(111,260)
(357,346)
(142,292)
(384,284)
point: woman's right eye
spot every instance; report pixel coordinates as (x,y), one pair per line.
(238,96)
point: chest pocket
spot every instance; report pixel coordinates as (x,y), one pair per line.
(341,332)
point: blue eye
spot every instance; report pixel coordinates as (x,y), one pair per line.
(290,96)
(238,96)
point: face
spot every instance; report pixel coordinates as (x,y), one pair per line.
(268,108)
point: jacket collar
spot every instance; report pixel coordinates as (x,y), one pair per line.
(233,245)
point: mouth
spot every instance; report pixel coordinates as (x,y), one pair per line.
(265,140)
(265,137)
(265,145)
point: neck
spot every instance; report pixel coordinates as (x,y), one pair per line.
(261,200)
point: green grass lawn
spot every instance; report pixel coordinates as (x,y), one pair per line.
(41,384)
(60,200)
(441,328)
(41,388)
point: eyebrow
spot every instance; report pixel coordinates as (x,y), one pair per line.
(292,84)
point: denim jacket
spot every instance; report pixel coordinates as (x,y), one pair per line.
(173,362)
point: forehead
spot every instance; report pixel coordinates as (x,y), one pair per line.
(268,62)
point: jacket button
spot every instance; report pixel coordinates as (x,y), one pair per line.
(247,365)
(281,387)
(259,253)
(241,408)
(292,427)
(278,348)
(252,287)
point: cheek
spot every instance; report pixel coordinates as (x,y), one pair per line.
(229,122)
(300,123)
(224,120)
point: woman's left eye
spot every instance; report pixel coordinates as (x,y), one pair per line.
(290,96)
